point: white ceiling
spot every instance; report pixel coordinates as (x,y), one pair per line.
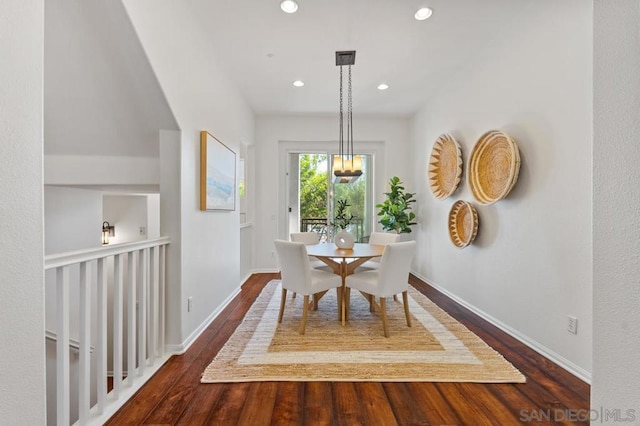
(265,49)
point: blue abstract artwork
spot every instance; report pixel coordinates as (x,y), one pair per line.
(218,174)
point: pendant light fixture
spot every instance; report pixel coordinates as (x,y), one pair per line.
(347,167)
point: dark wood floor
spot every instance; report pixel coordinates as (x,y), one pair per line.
(176,396)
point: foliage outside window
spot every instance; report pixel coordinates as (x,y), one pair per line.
(315,186)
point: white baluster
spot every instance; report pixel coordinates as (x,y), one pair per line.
(101,338)
(62,346)
(84,378)
(153,308)
(146,282)
(143,288)
(117,325)
(131,317)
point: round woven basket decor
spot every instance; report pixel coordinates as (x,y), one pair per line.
(445,166)
(463,223)
(493,167)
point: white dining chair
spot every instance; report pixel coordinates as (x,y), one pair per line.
(379,239)
(390,278)
(305,237)
(309,238)
(297,275)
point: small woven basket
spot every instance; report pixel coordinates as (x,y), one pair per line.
(493,167)
(445,166)
(463,223)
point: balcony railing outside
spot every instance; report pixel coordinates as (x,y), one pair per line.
(321,226)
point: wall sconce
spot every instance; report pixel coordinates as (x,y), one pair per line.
(107,231)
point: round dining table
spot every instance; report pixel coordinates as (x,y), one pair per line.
(337,259)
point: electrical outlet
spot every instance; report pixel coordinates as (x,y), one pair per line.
(143,231)
(189,304)
(572,324)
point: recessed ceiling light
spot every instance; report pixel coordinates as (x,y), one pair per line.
(298,83)
(383,86)
(423,13)
(288,6)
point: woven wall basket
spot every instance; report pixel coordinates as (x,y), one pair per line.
(493,167)
(463,223)
(445,166)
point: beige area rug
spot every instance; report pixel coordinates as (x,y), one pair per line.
(436,348)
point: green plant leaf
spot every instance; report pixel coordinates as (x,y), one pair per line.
(394,211)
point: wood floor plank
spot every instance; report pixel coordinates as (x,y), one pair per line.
(168,410)
(198,409)
(376,409)
(436,408)
(346,404)
(492,407)
(230,404)
(288,408)
(465,409)
(262,397)
(318,406)
(405,408)
(174,395)
(518,402)
(145,400)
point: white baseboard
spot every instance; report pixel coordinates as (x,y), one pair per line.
(244,280)
(182,348)
(559,360)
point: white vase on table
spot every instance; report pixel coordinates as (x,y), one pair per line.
(344,240)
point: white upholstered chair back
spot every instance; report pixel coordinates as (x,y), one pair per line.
(381,239)
(294,266)
(395,265)
(307,238)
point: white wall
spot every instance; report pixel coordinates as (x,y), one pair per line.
(616,198)
(101,170)
(274,135)
(530,265)
(153,216)
(22,366)
(128,213)
(72,219)
(101,96)
(202,97)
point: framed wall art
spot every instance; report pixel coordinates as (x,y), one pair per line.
(217,174)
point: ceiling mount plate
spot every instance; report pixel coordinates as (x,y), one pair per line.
(345,57)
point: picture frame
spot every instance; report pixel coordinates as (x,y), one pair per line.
(217,174)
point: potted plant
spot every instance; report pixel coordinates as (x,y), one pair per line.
(341,220)
(395,212)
